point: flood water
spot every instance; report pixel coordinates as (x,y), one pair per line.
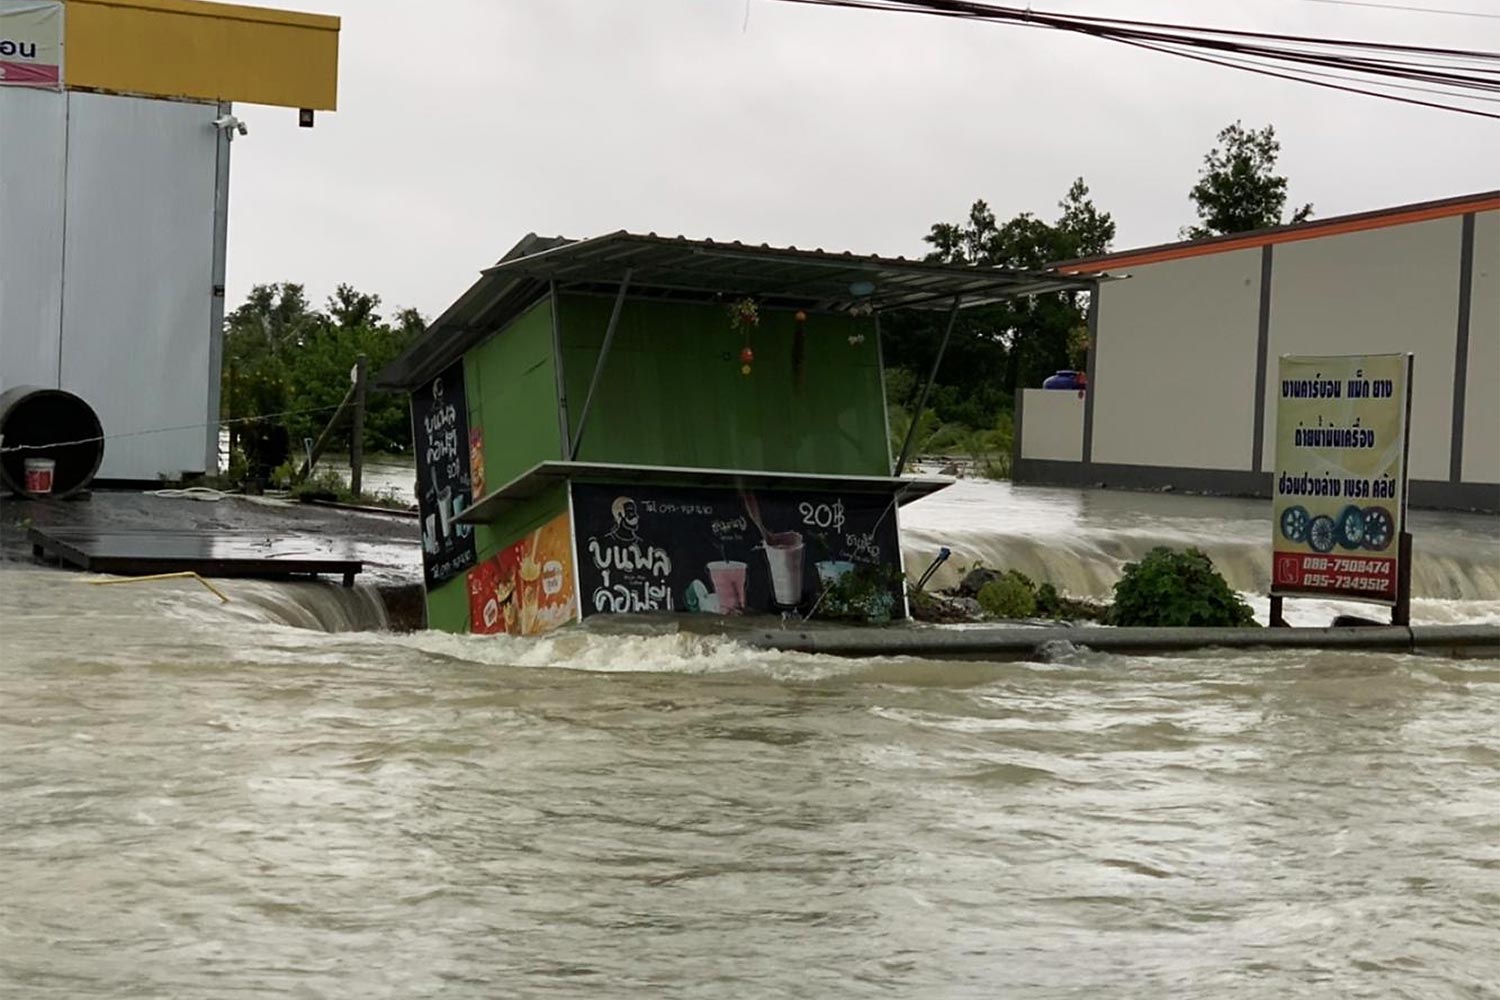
(271,798)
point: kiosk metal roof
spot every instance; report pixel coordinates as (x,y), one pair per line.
(677,268)
(547,475)
(826,280)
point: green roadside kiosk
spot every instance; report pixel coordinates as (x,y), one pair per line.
(637,423)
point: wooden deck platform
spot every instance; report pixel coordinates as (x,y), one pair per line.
(142,552)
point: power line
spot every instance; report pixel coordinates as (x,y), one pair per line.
(1248,68)
(1371,68)
(1404,7)
(49,445)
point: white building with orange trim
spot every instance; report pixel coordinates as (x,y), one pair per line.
(1179,394)
(115,129)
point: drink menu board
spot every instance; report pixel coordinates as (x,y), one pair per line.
(727,551)
(440,438)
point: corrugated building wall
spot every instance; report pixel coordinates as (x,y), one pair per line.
(1182,368)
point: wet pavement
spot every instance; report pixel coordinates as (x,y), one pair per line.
(387,544)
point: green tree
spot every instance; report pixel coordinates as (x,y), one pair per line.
(1020,342)
(1238,188)
(287,367)
(262,339)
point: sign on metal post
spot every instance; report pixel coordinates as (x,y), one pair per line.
(31,43)
(1339,494)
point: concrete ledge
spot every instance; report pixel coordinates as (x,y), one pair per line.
(1425,493)
(1022,643)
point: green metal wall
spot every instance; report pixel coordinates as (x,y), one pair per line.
(510,382)
(672,392)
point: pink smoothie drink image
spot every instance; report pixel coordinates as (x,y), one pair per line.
(784,555)
(729,585)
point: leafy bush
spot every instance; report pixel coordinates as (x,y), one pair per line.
(1049,602)
(867,593)
(328,484)
(1011,596)
(1169,588)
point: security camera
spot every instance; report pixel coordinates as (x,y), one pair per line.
(231,124)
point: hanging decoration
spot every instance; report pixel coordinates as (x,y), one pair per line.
(744,317)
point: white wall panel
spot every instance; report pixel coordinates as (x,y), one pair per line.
(1174,377)
(1052,425)
(138,286)
(1482,388)
(1376,292)
(32,142)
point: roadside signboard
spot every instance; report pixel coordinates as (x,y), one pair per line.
(31,43)
(1339,494)
(440,439)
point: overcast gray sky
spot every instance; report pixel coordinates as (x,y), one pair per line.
(464,124)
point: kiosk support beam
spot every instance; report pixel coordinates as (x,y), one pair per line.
(916,416)
(609,339)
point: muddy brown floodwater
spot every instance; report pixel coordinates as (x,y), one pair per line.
(269,798)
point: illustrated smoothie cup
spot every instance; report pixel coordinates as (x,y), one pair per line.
(784,555)
(729,585)
(445,511)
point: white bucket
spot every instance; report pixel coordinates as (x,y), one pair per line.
(39,473)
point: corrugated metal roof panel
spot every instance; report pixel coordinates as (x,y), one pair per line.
(706,270)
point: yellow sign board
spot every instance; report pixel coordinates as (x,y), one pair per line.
(203,51)
(1339,494)
(31,43)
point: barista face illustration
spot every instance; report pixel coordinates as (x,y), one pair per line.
(627,520)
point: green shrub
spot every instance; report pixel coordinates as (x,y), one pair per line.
(1049,602)
(867,593)
(1169,588)
(1011,596)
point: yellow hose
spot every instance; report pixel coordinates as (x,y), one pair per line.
(186,574)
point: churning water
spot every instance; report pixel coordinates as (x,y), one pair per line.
(1080,540)
(204,800)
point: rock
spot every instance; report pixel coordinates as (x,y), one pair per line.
(974,581)
(945,610)
(969,606)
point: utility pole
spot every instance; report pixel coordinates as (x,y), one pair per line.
(357,433)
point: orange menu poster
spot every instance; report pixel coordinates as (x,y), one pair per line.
(527,588)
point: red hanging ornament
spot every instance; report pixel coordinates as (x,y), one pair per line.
(747,356)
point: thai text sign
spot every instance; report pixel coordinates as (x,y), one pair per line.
(440,438)
(726,551)
(31,43)
(1339,495)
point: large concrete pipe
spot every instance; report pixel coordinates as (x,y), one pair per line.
(53,424)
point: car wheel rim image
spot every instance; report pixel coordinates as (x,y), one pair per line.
(1322,535)
(1351,525)
(1379,528)
(1294,524)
